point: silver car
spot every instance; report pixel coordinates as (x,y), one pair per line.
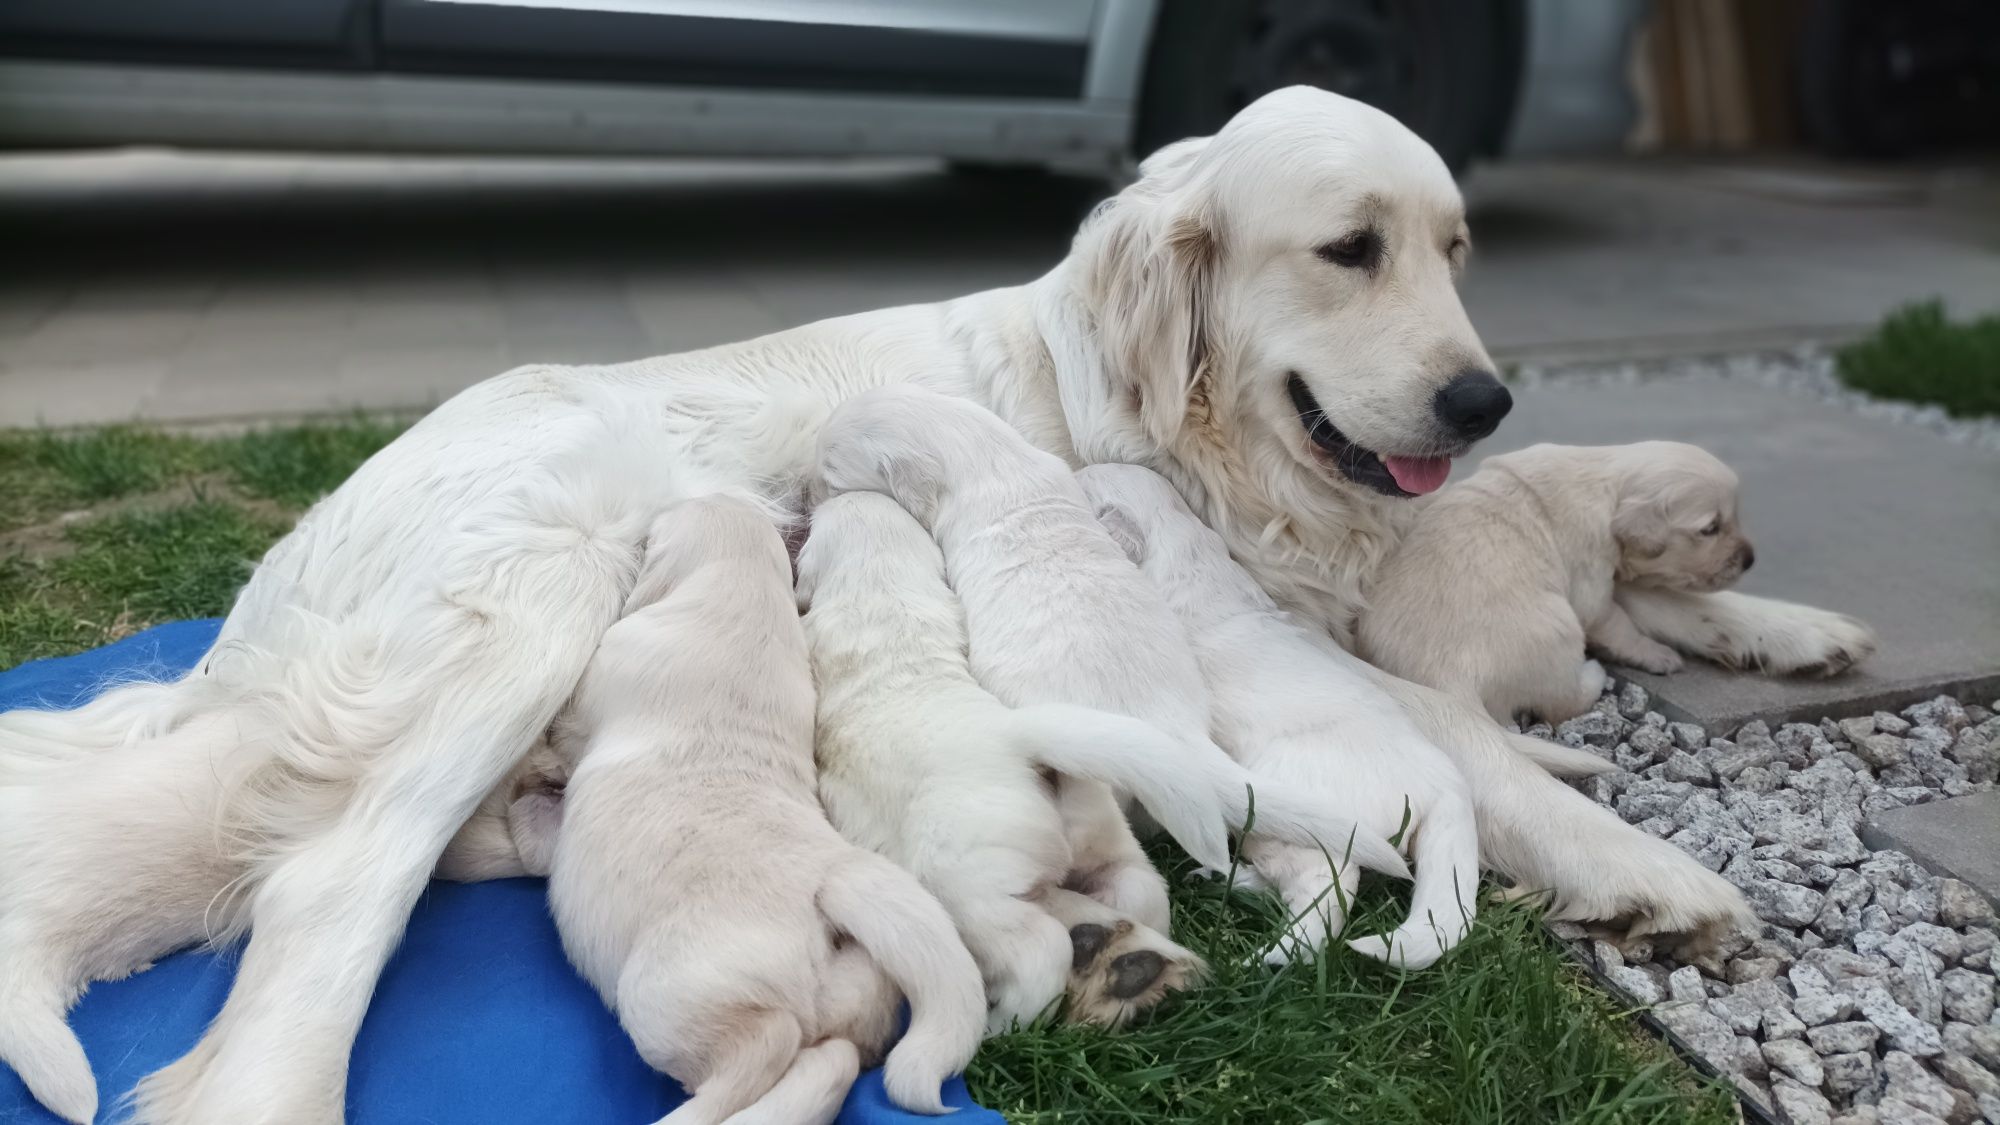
(1071,85)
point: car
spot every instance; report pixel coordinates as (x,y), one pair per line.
(1078,86)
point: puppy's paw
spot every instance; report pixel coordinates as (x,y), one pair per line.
(1648,655)
(1122,970)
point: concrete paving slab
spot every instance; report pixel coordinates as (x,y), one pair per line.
(1959,837)
(1880,520)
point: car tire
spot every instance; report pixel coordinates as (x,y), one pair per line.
(1448,69)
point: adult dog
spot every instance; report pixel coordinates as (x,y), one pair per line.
(1266,317)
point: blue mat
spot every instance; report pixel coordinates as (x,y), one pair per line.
(478,1018)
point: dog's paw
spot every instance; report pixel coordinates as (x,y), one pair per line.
(1831,643)
(1794,640)
(1122,970)
(1653,657)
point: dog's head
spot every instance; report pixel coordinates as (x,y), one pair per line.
(1676,519)
(1286,290)
(916,445)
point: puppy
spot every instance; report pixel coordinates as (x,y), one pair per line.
(1055,613)
(752,954)
(125,858)
(1304,718)
(1504,580)
(922,765)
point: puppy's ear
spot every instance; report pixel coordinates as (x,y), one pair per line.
(1640,525)
(913,477)
(1124,531)
(1149,258)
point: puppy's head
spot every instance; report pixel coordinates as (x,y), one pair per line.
(1286,291)
(1676,519)
(917,445)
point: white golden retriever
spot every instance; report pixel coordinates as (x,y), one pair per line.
(752,953)
(1304,718)
(1055,613)
(921,764)
(1266,317)
(1504,579)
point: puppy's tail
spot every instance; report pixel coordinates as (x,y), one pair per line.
(1196,792)
(1560,760)
(1446,851)
(910,936)
(36,1041)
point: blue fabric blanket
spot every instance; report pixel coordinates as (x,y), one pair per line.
(479,1018)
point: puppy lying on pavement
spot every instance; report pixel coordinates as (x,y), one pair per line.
(1304,717)
(1507,578)
(1055,613)
(695,880)
(921,764)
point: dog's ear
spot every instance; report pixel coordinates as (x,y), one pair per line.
(1640,524)
(913,477)
(1124,531)
(1149,259)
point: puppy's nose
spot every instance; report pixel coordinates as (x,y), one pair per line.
(1472,404)
(1749,556)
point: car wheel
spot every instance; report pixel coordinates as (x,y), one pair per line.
(1447,69)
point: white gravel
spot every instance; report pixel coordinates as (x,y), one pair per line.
(1807,370)
(1868,997)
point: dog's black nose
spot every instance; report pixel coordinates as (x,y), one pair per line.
(1472,404)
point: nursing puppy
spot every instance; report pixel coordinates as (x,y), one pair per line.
(921,764)
(1055,613)
(751,953)
(1304,718)
(1505,579)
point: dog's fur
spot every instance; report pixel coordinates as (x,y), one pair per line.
(123,860)
(1055,613)
(1298,713)
(921,764)
(751,953)
(426,621)
(1504,578)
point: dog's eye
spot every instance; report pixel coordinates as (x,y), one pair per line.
(1714,527)
(1361,250)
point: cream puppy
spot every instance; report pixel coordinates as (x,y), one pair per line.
(751,953)
(1055,613)
(1304,718)
(1505,579)
(921,764)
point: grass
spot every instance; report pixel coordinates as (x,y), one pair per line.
(106,532)
(1504,1030)
(1920,355)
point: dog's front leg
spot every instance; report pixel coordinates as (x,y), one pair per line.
(1743,632)
(1615,636)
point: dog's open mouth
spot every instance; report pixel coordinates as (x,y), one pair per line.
(1391,475)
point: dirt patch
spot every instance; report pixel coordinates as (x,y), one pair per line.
(49,539)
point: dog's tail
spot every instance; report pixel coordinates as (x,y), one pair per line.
(37,1042)
(31,741)
(1446,851)
(911,937)
(1560,760)
(1196,792)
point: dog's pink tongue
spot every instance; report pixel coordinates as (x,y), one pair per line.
(1418,474)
